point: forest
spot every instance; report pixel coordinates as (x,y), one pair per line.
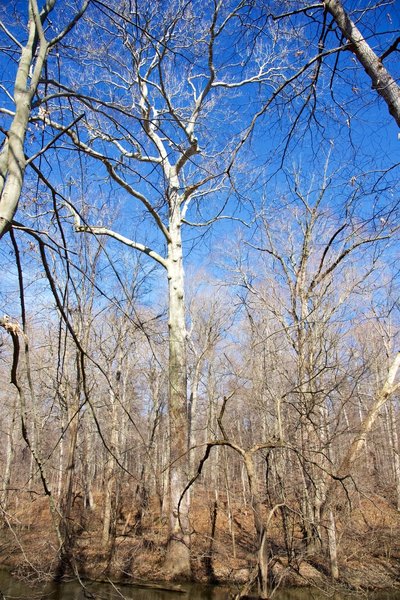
(199,299)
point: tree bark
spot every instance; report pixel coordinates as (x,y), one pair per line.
(178,551)
(30,67)
(109,476)
(9,459)
(70,469)
(12,157)
(382,81)
(332,545)
(260,527)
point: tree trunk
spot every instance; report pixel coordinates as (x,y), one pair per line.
(395,450)
(228,502)
(178,551)
(9,459)
(262,533)
(332,545)
(109,476)
(88,466)
(66,528)
(382,81)
(12,156)
(70,470)
(61,455)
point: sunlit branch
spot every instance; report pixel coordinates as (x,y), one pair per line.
(216,219)
(70,25)
(111,170)
(120,238)
(10,35)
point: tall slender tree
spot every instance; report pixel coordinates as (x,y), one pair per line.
(31,58)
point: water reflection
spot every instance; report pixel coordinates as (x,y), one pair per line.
(73,591)
(311,594)
(13,589)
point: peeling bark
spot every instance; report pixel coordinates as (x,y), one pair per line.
(13,160)
(178,552)
(381,79)
(31,64)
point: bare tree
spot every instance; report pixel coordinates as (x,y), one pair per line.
(310,285)
(32,58)
(155,145)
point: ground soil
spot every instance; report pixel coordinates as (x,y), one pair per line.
(368,545)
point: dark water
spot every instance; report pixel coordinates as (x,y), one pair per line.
(14,589)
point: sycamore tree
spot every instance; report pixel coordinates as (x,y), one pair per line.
(150,114)
(27,52)
(157,104)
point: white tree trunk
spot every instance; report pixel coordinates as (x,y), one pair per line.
(332,545)
(12,157)
(178,553)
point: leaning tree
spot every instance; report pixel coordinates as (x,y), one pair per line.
(28,57)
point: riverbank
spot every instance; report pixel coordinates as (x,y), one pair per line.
(223,547)
(83,589)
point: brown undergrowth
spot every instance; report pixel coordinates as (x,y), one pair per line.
(368,544)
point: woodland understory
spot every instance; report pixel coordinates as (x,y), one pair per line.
(106,511)
(223,545)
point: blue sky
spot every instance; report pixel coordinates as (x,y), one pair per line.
(349,122)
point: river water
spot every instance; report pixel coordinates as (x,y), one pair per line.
(14,589)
